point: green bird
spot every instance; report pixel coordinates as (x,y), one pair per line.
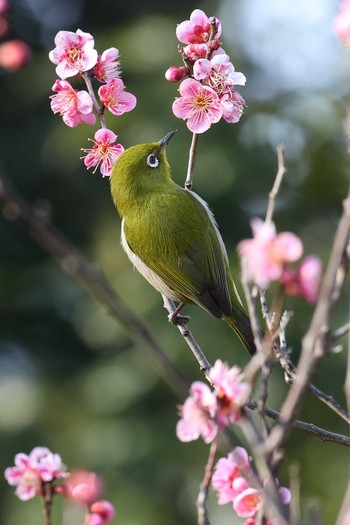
(171,237)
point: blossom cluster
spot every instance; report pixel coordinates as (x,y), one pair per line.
(42,466)
(75,56)
(267,256)
(208,93)
(206,411)
(236,483)
(14,53)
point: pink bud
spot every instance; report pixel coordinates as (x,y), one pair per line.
(14,55)
(84,486)
(94,519)
(175,73)
(214,44)
(103,508)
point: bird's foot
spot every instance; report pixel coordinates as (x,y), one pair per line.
(176,319)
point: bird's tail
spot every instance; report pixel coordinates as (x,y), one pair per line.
(239,322)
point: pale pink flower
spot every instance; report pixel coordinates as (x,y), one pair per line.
(108,65)
(305,280)
(232,392)
(115,99)
(247,503)
(104,509)
(84,486)
(195,51)
(14,55)
(218,72)
(197,415)
(74,53)
(265,256)
(228,479)
(232,104)
(41,465)
(176,73)
(198,104)
(104,152)
(197,29)
(74,106)
(341,22)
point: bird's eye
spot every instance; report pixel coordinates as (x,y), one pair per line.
(152,161)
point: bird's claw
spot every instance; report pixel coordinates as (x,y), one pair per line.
(176,319)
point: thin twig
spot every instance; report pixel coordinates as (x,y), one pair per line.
(281,170)
(341,331)
(188,337)
(202,513)
(314,344)
(99,110)
(46,496)
(310,428)
(75,264)
(191,161)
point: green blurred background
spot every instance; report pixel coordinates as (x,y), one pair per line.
(71,378)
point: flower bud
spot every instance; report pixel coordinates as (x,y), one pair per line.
(175,73)
(103,508)
(14,54)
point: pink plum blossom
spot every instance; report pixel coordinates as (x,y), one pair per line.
(232,104)
(218,72)
(341,22)
(265,256)
(247,503)
(107,66)
(74,106)
(197,29)
(115,99)
(197,415)
(231,391)
(41,465)
(305,280)
(84,486)
(104,152)
(74,53)
(228,479)
(198,104)
(14,55)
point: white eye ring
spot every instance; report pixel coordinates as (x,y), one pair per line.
(152,160)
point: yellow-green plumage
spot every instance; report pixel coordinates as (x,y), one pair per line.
(171,236)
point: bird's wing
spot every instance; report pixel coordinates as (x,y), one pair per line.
(176,237)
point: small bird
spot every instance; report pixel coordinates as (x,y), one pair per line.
(171,237)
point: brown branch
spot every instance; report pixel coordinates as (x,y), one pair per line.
(281,170)
(191,160)
(78,266)
(46,496)
(314,345)
(202,513)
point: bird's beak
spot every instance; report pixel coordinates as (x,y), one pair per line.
(165,140)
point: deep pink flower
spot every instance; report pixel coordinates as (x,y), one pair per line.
(198,104)
(265,256)
(228,479)
(84,486)
(74,53)
(197,415)
(104,152)
(115,99)
(14,54)
(231,391)
(108,65)
(31,470)
(195,51)
(74,106)
(197,29)
(341,22)
(103,508)
(305,280)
